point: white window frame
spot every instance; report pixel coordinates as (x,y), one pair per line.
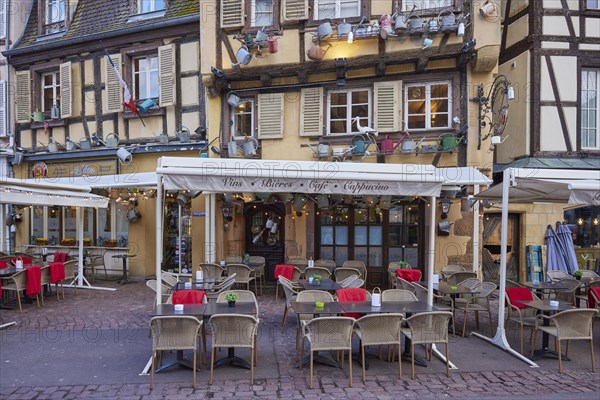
(349,117)
(585,127)
(153,6)
(338,9)
(407,5)
(149,82)
(55,89)
(62,10)
(589,6)
(252,113)
(427,105)
(254,11)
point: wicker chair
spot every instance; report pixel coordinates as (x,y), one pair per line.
(376,330)
(259,270)
(99,261)
(568,293)
(296,275)
(477,303)
(165,289)
(309,296)
(298,262)
(174,333)
(70,273)
(221,287)
(17,283)
(398,295)
(343,273)
(569,325)
(556,276)
(329,333)
(234,259)
(392,276)
(324,272)
(357,283)
(471,283)
(169,279)
(359,265)
(348,281)
(428,328)
(244,296)
(458,277)
(291,292)
(512,284)
(244,275)
(233,330)
(443,303)
(322,263)
(586,273)
(210,272)
(450,269)
(46,281)
(403,284)
(522,317)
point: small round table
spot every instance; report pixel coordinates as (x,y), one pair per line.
(124,257)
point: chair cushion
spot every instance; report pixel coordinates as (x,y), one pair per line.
(410,275)
(517,294)
(57,272)
(3,264)
(60,256)
(188,296)
(287,271)
(34,280)
(351,294)
(591,301)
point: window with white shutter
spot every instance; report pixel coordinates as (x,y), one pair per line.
(23,96)
(3,125)
(66,89)
(387,107)
(311,111)
(294,10)
(270,115)
(408,5)
(232,13)
(166,73)
(113,93)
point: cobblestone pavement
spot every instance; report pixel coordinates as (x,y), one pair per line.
(109,368)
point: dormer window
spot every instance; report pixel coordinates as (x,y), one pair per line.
(54,16)
(147,6)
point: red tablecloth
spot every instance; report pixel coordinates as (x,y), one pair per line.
(188,297)
(26,261)
(57,272)
(591,302)
(351,294)
(516,294)
(287,271)
(410,275)
(60,257)
(34,280)
(3,264)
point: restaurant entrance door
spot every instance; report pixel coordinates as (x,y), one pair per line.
(265,233)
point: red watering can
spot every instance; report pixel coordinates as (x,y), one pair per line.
(272,44)
(387,146)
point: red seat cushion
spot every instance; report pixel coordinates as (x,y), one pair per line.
(3,264)
(287,271)
(410,275)
(60,257)
(349,295)
(57,272)
(188,296)
(34,280)
(596,291)
(518,293)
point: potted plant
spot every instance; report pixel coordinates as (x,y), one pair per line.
(87,241)
(110,243)
(578,274)
(316,280)
(231,298)
(41,241)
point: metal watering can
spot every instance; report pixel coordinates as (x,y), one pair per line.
(272,44)
(112,140)
(261,37)
(322,150)
(448,142)
(385,22)
(183,135)
(146,105)
(249,147)
(324,30)
(388,146)
(343,29)
(401,21)
(54,112)
(242,56)
(359,145)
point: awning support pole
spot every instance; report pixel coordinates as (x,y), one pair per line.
(475,231)
(159,237)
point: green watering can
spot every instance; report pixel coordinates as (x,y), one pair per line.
(448,142)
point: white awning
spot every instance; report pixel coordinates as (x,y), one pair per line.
(458,176)
(128,180)
(15,191)
(279,176)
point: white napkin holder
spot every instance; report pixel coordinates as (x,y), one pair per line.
(178,307)
(435,279)
(188,285)
(554,303)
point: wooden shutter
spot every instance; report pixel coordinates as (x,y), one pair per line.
(388,106)
(114,93)
(232,13)
(66,89)
(294,10)
(270,115)
(166,73)
(311,111)
(3,127)
(23,96)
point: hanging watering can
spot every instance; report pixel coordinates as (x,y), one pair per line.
(447,142)
(387,146)
(112,140)
(324,30)
(316,52)
(385,22)
(183,135)
(163,138)
(243,56)
(146,105)
(37,116)
(323,150)
(52,146)
(415,24)
(358,144)
(343,29)
(133,215)
(232,148)
(433,25)
(85,143)
(70,145)
(250,146)
(272,44)
(54,112)
(488,9)
(448,22)
(261,38)
(407,144)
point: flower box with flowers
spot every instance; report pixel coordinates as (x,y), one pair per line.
(68,242)
(41,241)
(110,243)
(87,241)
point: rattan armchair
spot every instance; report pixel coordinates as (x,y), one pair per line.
(428,328)
(323,263)
(568,292)
(234,259)
(174,333)
(291,292)
(221,287)
(458,277)
(556,275)
(70,274)
(356,283)
(343,273)
(210,272)
(296,275)
(450,269)
(359,265)
(244,296)
(329,333)
(403,284)
(165,289)
(569,325)
(471,283)
(298,262)
(309,296)
(323,272)
(376,330)
(45,280)
(345,283)
(244,275)
(442,302)
(259,264)
(398,295)
(392,276)
(477,303)
(521,316)
(169,279)
(17,283)
(233,330)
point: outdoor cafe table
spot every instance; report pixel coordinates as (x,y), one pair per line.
(168,310)
(407,308)
(246,308)
(207,286)
(545,307)
(326,285)
(544,286)
(6,273)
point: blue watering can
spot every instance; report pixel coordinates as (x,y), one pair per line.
(359,146)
